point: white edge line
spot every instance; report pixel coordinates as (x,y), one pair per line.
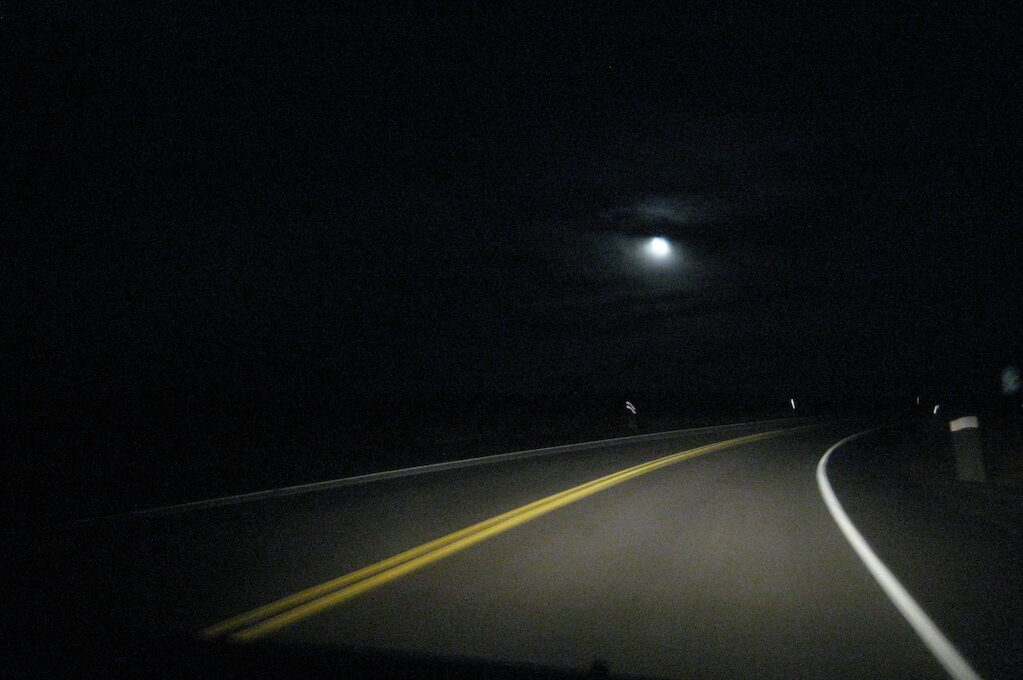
(943,650)
(407,472)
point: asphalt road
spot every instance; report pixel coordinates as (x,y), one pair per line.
(725,564)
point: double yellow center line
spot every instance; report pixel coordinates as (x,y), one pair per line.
(288,610)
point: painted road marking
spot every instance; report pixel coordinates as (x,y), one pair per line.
(288,610)
(943,650)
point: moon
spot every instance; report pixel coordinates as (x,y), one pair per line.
(658,247)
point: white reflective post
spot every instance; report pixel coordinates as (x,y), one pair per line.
(968,450)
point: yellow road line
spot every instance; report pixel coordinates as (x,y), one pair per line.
(283,612)
(355,576)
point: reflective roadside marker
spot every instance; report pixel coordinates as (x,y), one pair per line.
(792,402)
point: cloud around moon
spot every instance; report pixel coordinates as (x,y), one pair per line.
(665,211)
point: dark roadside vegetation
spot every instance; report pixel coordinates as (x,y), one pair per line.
(72,460)
(955,545)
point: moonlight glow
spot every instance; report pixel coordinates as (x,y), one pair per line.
(658,248)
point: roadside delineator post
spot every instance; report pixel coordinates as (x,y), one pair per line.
(633,415)
(968,451)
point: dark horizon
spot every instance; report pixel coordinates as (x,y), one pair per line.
(236,212)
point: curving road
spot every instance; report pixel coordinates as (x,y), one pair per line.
(722,562)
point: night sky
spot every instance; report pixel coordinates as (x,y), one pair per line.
(276,206)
